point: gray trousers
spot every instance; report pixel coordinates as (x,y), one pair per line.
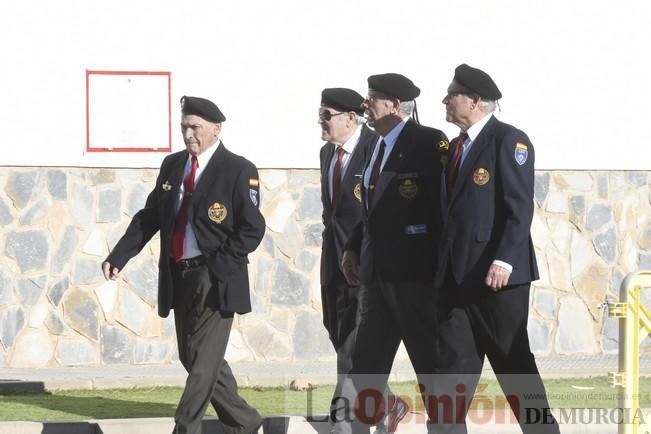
(202,332)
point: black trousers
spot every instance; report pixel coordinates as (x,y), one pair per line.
(474,324)
(202,332)
(388,313)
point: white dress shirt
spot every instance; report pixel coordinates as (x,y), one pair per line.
(190,246)
(348,148)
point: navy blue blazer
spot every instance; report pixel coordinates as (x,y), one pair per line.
(488,213)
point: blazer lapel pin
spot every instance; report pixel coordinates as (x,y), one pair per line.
(167,186)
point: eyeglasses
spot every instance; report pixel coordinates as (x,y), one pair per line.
(326,115)
(451,95)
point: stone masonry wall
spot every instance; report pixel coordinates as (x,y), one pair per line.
(58,224)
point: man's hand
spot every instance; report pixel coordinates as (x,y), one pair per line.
(497,277)
(350,267)
(110,272)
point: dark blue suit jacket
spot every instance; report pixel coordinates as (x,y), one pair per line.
(488,213)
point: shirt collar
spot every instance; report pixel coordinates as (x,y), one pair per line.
(205,157)
(476,128)
(349,146)
(392,136)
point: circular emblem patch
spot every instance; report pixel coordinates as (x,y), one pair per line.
(357,191)
(408,188)
(217,212)
(481,176)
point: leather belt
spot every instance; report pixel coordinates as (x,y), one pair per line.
(188,264)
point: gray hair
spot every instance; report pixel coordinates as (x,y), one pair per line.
(407,107)
(487,106)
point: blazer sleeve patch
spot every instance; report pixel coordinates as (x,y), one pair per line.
(521,153)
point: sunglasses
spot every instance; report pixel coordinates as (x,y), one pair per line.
(326,115)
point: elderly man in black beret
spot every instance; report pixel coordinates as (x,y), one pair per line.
(205,205)
(486,257)
(349,144)
(392,251)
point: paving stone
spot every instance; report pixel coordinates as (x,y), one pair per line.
(602,187)
(638,179)
(95,245)
(540,334)
(57,184)
(305,261)
(310,338)
(237,350)
(143,280)
(598,215)
(147,351)
(107,295)
(116,347)
(289,287)
(102,176)
(279,211)
(108,206)
(310,206)
(6,287)
(299,178)
(136,199)
(577,210)
(5,214)
(616,279)
(556,202)
(262,338)
(80,312)
(86,272)
(313,234)
(272,179)
(66,249)
(54,324)
(592,286)
(12,321)
(610,335)
(264,269)
(541,188)
(581,253)
(28,248)
(35,212)
(133,311)
(545,303)
(268,245)
(83,204)
(605,244)
(56,291)
(578,181)
(575,331)
(19,187)
(34,349)
(169,328)
(76,353)
(645,261)
(290,242)
(29,290)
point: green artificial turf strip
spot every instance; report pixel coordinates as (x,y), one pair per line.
(161,401)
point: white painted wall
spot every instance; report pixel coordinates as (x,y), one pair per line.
(574,74)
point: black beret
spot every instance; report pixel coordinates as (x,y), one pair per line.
(395,85)
(192,105)
(340,98)
(477,81)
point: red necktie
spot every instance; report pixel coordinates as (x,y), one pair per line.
(455,161)
(336,174)
(178,236)
(375,172)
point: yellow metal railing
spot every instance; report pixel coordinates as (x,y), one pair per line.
(634,327)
